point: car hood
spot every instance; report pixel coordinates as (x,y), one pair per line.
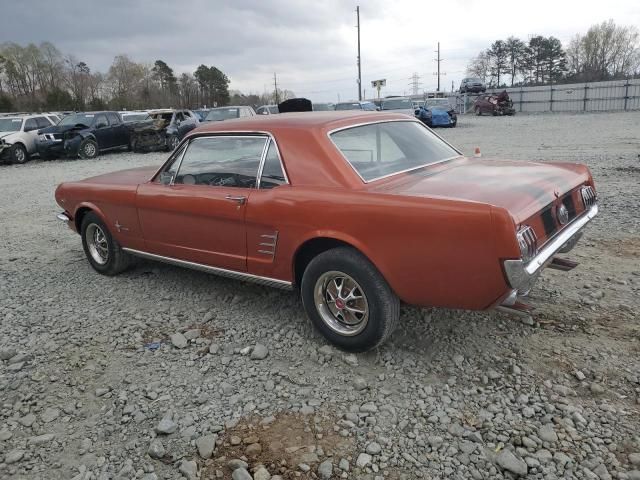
(62,128)
(132,176)
(7,136)
(522,188)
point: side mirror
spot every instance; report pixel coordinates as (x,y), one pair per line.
(166,178)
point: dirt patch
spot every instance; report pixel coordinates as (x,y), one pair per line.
(623,247)
(285,441)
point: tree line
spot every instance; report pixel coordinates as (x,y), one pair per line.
(41,78)
(606,52)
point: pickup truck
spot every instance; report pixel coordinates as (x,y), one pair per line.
(83,135)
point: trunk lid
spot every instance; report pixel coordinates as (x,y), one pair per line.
(522,188)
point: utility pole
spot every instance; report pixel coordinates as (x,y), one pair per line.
(359,67)
(275,85)
(438,60)
(415,83)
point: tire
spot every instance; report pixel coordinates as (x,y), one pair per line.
(88,149)
(18,154)
(478,111)
(378,307)
(172,142)
(102,250)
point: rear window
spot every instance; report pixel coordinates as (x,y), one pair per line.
(381,149)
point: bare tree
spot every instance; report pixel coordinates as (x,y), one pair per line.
(480,66)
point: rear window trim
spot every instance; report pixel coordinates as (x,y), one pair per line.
(348,127)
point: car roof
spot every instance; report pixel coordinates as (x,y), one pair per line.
(236,106)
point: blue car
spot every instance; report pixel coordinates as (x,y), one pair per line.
(437,112)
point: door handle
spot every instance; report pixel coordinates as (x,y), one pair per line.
(241,200)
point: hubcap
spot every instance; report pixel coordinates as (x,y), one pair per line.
(341,303)
(20,155)
(89,149)
(97,244)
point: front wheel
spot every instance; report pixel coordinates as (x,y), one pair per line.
(348,300)
(172,142)
(19,154)
(478,112)
(88,149)
(103,252)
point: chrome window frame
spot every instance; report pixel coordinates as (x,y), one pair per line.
(408,120)
(236,133)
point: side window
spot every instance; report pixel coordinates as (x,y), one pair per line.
(230,161)
(100,121)
(272,174)
(244,112)
(30,125)
(42,122)
(113,118)
(187,115)
(179,117)
(169,172)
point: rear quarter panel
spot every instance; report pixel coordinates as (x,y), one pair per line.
(432,252)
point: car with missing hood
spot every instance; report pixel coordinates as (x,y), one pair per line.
(437,112)
(18,136)
(357,211)
(83,135)
(162,130)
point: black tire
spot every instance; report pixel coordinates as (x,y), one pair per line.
(88,149)
(18,154)
(478,111)
(172,142)
(381,303)
(116,260)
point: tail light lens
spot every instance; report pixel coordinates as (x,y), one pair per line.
(589,196)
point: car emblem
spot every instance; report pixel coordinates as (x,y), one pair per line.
(563,214)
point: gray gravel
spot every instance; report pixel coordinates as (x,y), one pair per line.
(147,374)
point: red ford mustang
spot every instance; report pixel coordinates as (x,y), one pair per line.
(358,211)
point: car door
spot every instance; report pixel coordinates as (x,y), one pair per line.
(103,132)
(119,131)
(194,210)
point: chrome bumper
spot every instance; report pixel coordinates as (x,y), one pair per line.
(521,276)
(63,217)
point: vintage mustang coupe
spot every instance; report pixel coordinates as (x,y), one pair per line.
(357,210)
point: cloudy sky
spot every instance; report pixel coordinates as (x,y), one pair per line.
(310,44)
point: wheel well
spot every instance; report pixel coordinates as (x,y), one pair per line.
(309,250)
(82,211)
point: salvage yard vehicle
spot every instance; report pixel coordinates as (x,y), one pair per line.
(162,130)
(84,135)
(228,113)
(358,211)
(18,136)
(366,105)
(267,110)
(473,84)
(133,117)
(437,112)
(499,104)
(398,105)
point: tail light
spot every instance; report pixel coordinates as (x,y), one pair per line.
(589,196)
(528,242)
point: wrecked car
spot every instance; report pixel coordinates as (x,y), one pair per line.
(228,113)
(83,135)
(437,112)
(499,104)
(18,136)
(163,131)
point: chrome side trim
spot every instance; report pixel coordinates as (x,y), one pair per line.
(270,246)
(63,217)
(270,282)
(431,132)
(519,275)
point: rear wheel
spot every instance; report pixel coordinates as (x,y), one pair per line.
(18,154)
(88,149)
(348,300)
(103,252)
(172,142)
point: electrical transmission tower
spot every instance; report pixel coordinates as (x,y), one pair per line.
(415,83)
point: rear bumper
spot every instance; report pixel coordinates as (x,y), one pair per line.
(521,276)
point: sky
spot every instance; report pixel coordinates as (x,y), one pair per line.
(310,45)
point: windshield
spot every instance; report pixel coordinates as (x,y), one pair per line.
(381,149)
(438,102)
(134,117)
(10,124)
(474,80)
(397,104)
(78,118)
(218,114)
(348,106)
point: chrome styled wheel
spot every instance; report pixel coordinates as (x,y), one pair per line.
(97,244)
(89,149)
(20,155)
(341,303)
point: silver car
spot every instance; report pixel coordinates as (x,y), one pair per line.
(18,136)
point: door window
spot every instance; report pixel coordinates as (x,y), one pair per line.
(101,121)
(230,161)
(113,118)
(30,125)
(43,122)
(272,172)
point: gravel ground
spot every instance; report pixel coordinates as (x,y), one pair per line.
(164,373)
